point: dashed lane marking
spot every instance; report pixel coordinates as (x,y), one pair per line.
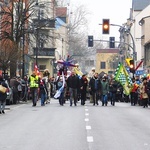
(88,127)
(86,119)
(90,139)
(87,114)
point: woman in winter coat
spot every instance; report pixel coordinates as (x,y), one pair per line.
(3,96)
(144,92)
(43,91)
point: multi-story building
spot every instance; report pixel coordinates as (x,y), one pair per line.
(43,45)
(107,60)
(50,42)
(140,19)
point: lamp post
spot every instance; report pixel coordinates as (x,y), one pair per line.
(23,46)
(37,34)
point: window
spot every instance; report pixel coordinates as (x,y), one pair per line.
(102,65)
(42,67)
(89,63)
(41,14)
(42,44)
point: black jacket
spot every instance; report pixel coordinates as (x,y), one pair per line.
(73,82)
(83,83)
(3,96)
(95,84)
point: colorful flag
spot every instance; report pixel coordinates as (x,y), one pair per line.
(122,76)
(36,70)
(59,91)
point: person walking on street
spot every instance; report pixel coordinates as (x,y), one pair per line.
(3,96)
(144,92)
(134,93)
(60,87)
(104,91)
(34,82)
(25,88)
(73,85)
(112,91)
(95,87)
(14,86)
(43,91)
(83,88)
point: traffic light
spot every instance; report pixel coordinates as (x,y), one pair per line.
(90,41)
(111,42)
(132,67)
(105,26)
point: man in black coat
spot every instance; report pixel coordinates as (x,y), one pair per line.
(73,85)
(95,87)
(83,88)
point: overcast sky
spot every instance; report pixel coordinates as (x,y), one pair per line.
(117,11)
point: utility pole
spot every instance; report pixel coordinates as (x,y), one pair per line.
(23,48)
(37,35)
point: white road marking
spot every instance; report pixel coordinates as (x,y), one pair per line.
(88,127)
(86,119)
(87,114)
(86,109)
(89,138)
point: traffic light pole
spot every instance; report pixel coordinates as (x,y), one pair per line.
(126,30)
(115,42)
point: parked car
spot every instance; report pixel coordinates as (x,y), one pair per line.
(9,99)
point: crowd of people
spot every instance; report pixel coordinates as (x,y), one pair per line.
(75,88)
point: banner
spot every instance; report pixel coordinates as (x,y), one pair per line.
(122,76)
(59,91)
(36,70)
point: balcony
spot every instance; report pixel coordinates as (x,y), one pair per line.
(44,52)
(44,23)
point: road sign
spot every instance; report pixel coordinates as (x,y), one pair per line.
(139,72)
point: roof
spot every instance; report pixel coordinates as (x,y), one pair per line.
(110,50)
(139,5)
(61,11)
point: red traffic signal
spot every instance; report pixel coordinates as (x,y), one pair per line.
(105,26)
(132,67)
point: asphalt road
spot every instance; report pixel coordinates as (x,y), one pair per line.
(55,127)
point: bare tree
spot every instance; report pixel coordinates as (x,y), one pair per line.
(14,15)
(15,24)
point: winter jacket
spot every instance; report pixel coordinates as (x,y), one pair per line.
(95,84)
(73,82)
(105,87)
(3,96)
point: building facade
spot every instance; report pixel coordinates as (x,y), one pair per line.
(140,30)
(107,60)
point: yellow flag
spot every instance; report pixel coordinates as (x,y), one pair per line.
(128,61)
